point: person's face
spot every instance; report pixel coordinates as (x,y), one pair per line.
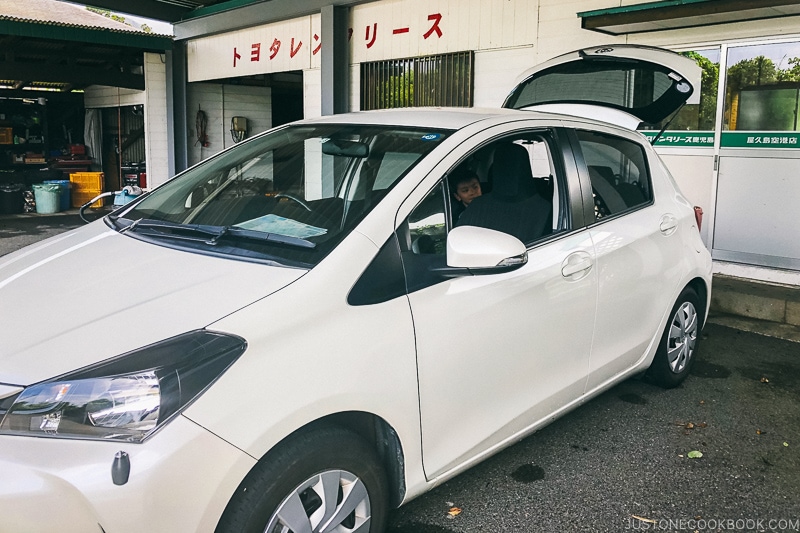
(466,191)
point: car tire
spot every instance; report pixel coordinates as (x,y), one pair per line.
(292,486)
(677,348)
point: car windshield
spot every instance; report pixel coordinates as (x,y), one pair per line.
(286,197)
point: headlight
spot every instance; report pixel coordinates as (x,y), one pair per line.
(126,398)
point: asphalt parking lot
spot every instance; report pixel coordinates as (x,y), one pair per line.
(624,461)
(17,231)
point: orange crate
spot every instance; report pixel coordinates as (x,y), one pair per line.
(6,136)
(80,198)
(87,182)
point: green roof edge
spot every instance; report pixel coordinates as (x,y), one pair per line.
(638,7)
(217,8)
(55,31)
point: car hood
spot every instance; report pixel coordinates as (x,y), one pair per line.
(91,294)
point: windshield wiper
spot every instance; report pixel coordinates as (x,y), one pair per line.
(211,235)
(128,227)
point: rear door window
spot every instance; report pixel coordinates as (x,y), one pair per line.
(618,172)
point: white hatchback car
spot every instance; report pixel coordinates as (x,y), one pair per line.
(318,324)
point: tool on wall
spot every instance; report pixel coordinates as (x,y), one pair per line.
(238,129)
(200,124)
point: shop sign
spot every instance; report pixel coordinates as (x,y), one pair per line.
(410,28)
(760,139)
(682,138)
(387,29)
(730,139)
(278,47)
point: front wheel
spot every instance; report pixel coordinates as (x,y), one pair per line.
(676,351)
(324,481)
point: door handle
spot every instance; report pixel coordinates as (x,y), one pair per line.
(668,224)
(576,263)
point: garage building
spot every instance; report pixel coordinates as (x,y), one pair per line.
(734,149)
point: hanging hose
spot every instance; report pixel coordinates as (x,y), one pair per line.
(200,124)
(90,202)
(128,193)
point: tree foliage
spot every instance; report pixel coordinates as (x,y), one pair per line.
(108,14)
(752,72)
(701,116)
(759,70)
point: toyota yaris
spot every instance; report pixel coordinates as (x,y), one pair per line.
(311,327)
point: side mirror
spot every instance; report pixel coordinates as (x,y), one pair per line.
(472,251)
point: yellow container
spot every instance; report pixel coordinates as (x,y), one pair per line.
(81,197)
(87,182)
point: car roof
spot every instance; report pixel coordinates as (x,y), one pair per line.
(451,118)
(454,118)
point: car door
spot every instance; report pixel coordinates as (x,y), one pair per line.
(499,352)
(634,236)
(639,254)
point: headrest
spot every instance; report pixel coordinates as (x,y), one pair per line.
(511,172)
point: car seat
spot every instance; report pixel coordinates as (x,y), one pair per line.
(514,206)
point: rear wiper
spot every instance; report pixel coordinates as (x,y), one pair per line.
(211,235)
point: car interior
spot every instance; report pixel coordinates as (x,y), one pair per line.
(521,196)
(617,171)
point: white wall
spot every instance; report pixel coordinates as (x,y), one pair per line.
(154,99)
(464,25)
(312,93)
(96,96)
(156,136)
(496,72)
(355,87)
(560,27)
(276,47)
(220,103)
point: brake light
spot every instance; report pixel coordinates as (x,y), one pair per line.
(698,217)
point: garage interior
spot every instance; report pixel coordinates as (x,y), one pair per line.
(45,67)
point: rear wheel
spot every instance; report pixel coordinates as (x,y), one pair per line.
(676,352)
(328,480)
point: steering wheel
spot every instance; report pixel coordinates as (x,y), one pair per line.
(294,198)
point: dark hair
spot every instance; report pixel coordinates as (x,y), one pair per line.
(461,176)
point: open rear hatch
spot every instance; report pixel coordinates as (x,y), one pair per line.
(648,83)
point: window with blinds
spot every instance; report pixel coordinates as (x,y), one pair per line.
(441,80)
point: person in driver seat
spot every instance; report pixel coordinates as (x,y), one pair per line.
(465,187)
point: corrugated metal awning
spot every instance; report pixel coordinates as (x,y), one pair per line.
(52,55)
(674,14)
(14,26)
(169,10)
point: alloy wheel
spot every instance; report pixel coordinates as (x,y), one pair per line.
(682,337)
(334,501)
